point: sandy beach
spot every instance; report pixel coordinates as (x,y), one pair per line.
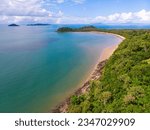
(96,74)
(123,38)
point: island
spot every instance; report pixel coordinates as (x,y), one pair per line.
(13,25)
(120,84)
(82,29)
(38,24)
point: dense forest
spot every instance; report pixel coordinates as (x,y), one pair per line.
(125,83)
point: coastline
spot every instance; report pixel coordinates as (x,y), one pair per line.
(108,33)
(96,74)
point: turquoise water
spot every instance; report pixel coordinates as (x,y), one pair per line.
(40,67)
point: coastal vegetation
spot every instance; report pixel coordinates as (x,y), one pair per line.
(65,29)
(82,29)
(125,82)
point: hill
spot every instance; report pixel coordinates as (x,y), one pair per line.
(82,29)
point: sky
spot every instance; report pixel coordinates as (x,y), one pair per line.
(74,11)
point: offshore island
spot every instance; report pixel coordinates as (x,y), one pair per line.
(13,25)
(39,24)
(121,81)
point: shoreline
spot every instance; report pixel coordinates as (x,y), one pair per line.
(108,33)
(95,74)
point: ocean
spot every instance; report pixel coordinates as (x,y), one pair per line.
(39,67)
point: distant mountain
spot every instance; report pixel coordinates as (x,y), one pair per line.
(99,24)
(13,25)
(121,24)
(134,24)
(38,24)
(128,25)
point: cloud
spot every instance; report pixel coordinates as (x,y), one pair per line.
(23,8)
(60,13)
(142,16)
(79,1)
(60,1)
(23,11)
(26,19)
(74,20)
(26,11)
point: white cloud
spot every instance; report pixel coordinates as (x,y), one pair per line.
(60,13)
(23,8)
(79,1)
(22,19)
(74,20)
(99,19)
(26,11)
(142,16)
(60,1)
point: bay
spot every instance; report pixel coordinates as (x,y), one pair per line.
(40,67)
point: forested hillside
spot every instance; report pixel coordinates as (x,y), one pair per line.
(125,82)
